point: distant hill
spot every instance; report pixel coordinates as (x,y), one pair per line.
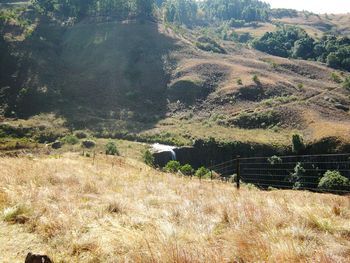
(154,80)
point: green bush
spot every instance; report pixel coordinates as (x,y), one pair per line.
(70,139)
(202,172)
(297,176)
(346,83)
(335,77)
(297,143)
(239,81)
(187,169)
(172,166)
(333,180)
(148,158)
(111,149)
(255,78)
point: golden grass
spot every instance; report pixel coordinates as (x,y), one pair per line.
(127,212)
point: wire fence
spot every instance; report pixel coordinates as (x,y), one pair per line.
(300,172)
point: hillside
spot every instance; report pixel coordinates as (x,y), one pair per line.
(150,80)
(117,209)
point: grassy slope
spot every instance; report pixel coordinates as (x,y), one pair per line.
(101,76)
(120,210)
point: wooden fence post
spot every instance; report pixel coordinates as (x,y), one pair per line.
(238,172)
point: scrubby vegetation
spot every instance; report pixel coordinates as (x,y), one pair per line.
(264,119)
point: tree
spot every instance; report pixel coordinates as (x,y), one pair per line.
(304,48)
(297,143)
(144,8)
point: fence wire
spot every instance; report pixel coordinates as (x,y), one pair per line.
(302,172)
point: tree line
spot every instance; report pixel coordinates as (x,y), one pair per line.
(186,12)
(294,42)
(82,8)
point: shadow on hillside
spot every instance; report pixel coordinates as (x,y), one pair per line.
(101,76)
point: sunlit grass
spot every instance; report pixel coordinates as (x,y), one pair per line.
(116,209)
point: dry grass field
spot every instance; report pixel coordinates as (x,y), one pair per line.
(119,210)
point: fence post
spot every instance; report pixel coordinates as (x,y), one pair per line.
(238,172)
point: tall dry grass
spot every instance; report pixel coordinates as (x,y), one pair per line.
(76,211)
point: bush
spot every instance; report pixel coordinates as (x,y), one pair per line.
(255,78)
(239,81)
(202,172)
(335,77)
(70,139)
(80,135)
(187,169)
(333,181)
(274,160)
(172,166)
(111,149)
(208,44)
(297,143)
(148,158)
(297,176)
(88,144)
(346,83)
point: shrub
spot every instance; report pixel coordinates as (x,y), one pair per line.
(297,176)
(255,78)
(335,77)
(333,181)
(70,139)
(56,145)
(172,166)
(80,135)
(239,81)
(274,160)
(148,158)
(297,143)
(208,44)
(88,144)
(346,83)
(202,172)
(16,214)
(111,149)
(187,169)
